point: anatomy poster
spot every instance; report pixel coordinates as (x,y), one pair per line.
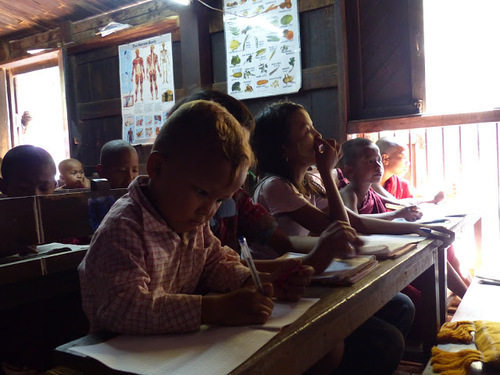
(147,87)
(262,47)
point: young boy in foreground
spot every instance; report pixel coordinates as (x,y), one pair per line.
(72,175)
(153,258)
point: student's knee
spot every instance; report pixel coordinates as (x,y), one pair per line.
(375,348)
(399,311)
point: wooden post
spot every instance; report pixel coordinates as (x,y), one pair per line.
(196,47)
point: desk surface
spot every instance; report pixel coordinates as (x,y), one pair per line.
(334,317)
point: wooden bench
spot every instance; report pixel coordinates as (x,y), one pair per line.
(481,302)
(40,293)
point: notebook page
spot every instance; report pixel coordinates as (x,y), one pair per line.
(210,351)
(392,242)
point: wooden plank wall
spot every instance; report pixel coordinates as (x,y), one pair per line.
(92,80)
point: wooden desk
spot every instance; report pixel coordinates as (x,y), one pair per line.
(40,294)
(339,312)
(457,225)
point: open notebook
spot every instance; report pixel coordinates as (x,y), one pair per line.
(385,246)
(344,271)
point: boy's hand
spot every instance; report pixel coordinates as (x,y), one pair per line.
(240,307)
(86,183)
(438,197)
(290,279)
(339,240)
(327,154)
(410,213)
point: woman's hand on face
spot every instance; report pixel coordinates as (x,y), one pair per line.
(327,153)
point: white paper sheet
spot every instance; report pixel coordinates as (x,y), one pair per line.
(212,350)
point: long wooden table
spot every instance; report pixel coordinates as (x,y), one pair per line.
(338,313)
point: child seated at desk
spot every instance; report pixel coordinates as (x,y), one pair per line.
(361,166)
(392,185)
(27,170)
(72,175)
(240,216)
(119,163)
(153,259)
(395,189)
(287,145)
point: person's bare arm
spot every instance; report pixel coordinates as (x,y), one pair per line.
(368,225)
(349,198)
(311,218)
(327,151)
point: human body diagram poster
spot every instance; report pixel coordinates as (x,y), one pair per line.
(147,87)
(262,47)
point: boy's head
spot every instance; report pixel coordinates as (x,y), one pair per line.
(394,156)
(361,161)
(235,107)
(71,173)
(119,163)
(200,157)
(27,170)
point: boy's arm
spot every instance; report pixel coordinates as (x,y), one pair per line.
(130,286)
(349,198)
(117,290)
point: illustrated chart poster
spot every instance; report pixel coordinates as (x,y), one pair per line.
(147,87)
(262,47)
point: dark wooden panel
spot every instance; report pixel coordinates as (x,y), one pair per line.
(19,227)
(417,121)
(102,108)
(317,37)
(104,79)
(94,134)
(381,79)
(70,215)
(219,57)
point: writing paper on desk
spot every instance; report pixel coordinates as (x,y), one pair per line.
(385,246)
(210,351)
(347,271)
(343,271)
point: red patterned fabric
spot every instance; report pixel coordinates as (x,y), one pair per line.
(239,216)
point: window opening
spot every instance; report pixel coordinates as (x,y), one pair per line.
(39,117)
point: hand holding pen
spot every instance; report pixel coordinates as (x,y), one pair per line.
(246,255)
(289,277)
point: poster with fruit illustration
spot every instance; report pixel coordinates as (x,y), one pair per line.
(147,87)
(262,47)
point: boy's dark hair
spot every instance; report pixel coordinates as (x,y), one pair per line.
(24,157)
(203,123)
(271,132)
(350,150)
(235,107)
(111,149)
